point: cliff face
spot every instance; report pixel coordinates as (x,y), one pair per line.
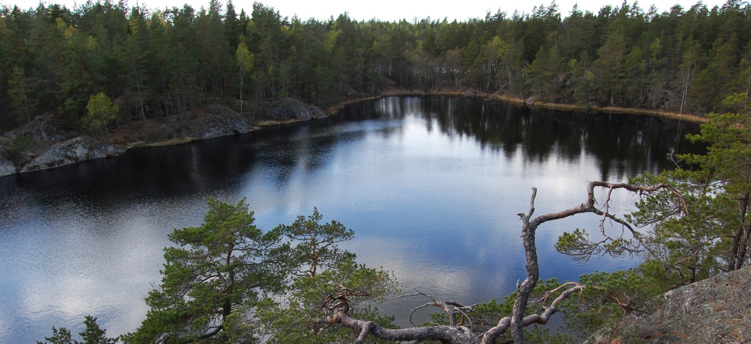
(716,310)
(40,145)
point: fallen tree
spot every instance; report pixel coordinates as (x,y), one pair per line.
(458,332)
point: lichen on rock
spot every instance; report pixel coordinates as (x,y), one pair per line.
(715,310)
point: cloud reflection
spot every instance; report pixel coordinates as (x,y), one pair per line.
(431,187)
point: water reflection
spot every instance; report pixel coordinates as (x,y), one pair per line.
(625,145)
(429,184)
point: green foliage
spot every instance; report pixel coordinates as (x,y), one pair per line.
(323,280)
(21,143)
(100,111)
(59,336)
(692,246)
(230,281)
(316,246)
(700,227)
(178,59)
(707,230)
(92,334)
(244,57)
(216,272)
(313,298)
(608,297)
(20,90)
(481,317)
(695,231)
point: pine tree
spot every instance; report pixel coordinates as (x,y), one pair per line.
(211,277)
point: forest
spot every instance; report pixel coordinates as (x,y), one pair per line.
(222,281)
(158,63)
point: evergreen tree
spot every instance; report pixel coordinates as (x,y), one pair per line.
(92,334)
(323,278)
(20,90)
(211,277)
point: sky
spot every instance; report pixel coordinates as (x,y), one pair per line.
(391,10)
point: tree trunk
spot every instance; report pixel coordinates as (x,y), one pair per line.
(462,335)
(533,274)
(140,102)
(242,79)
(742,234)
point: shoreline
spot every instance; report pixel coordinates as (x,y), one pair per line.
(189,139)
(533,105)
(333,110)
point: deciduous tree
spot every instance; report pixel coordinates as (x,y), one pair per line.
(246,61)
(100,111)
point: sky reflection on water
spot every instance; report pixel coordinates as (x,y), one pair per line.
(431,187)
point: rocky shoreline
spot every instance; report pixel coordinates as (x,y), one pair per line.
(52,147)
(40,145)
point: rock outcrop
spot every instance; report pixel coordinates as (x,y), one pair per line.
(289,108)
(715,310)
(6,166)
(44,145)
(70,152)
(222,121)
(41,130)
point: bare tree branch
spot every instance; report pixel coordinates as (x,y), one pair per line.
(458,334)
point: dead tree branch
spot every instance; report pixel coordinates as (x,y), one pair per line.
(458,334)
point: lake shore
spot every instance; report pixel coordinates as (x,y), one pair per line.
(169,134)
(528,103)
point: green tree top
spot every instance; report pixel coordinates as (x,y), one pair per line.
(92,334)
(100,111)
(211,276)
(317,244)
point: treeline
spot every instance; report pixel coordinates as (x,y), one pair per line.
(162,63)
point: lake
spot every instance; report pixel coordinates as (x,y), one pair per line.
(430,185)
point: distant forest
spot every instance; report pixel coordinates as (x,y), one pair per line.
(160,63)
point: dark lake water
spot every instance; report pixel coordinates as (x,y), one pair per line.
(431,187)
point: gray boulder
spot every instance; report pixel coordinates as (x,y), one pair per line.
(715,310)
(41,130)
(290,108)
(70,152)
(222,121)
(6,166)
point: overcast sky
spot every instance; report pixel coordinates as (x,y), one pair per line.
(391,10)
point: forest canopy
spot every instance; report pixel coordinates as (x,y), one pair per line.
(160,63)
